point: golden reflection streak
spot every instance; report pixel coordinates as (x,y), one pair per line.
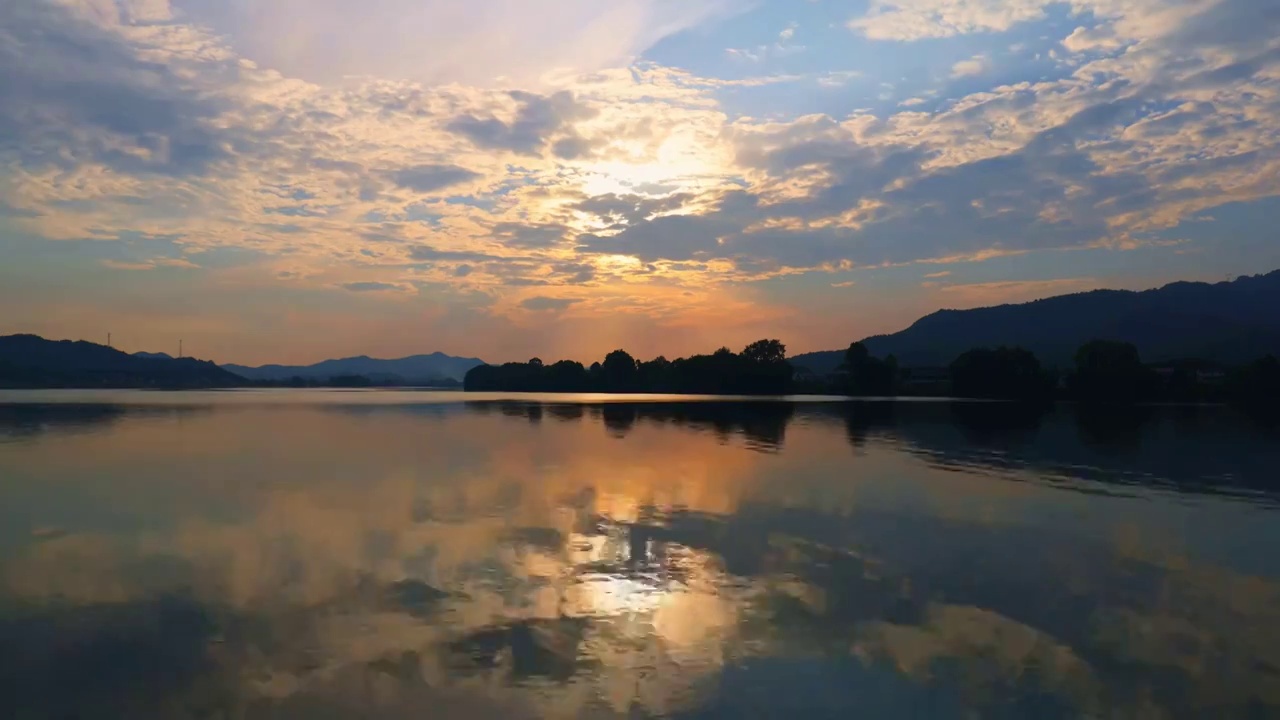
(379,497)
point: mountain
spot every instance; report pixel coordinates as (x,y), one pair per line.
(1226,322)
(30,361)
(416,369)
(153,356)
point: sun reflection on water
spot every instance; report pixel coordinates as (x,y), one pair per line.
(387,564)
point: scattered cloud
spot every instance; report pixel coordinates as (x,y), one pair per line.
(921,19)
(369,287)
(976,65)
(429,178)
(151,264)
(780,48)
(534,122)
(547,304)
(396,152)
(838,78)
(1013,291)
(447,41)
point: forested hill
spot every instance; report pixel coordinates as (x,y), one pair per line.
(417,368)
(1228,322)
(30,361)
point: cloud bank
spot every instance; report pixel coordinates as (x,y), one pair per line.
(499,166)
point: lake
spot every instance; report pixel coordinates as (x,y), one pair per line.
(327,554)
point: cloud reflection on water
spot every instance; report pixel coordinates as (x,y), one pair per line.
(562,560)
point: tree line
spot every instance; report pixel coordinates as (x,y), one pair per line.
(760,369)
(1102,371)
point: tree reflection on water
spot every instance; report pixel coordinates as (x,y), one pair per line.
(667,559)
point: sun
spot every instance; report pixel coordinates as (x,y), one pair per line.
(683,162)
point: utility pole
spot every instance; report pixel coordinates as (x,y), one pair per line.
(179,348)
(108,339)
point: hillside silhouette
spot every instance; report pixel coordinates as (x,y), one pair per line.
(420,369)
(1230,323)
(30,361)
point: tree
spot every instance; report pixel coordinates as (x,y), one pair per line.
(765,352)
(1002,373)
(867,375)
(855,357)
(1111,372)
(762,368)
(566,376)
(656,375)
(619,372)
(1257,385)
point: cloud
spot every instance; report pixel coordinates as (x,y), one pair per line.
(630,209)
(942,274)
(536,119)
(72,93)
(151,264)
(430,254)
(367,287)
(838,78)
(1013,291)
(447,40)
(1101,37)
(524,236)
(976,65)
(778,49)
(429,178)
(547,304)
(919,19)
(639,186)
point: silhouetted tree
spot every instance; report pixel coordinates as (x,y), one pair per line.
(655,375)
(1256,387)
(765,352)
(567,376)
(1111,372)
(764,368)
(1001,373)
(761,369)
(619,372)
(719,373)
(867,375)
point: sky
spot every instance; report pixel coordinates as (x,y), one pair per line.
(292,180)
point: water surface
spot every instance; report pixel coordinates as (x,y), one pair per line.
(314,554)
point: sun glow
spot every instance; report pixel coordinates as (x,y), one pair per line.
(684,162)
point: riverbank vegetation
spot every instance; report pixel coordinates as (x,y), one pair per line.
(1103,372)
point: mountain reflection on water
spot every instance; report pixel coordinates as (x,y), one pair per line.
(202,557)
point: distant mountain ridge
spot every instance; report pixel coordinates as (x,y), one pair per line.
(1227,322)
(30,361)
(416,368)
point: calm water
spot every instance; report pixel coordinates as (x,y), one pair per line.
(299,554)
